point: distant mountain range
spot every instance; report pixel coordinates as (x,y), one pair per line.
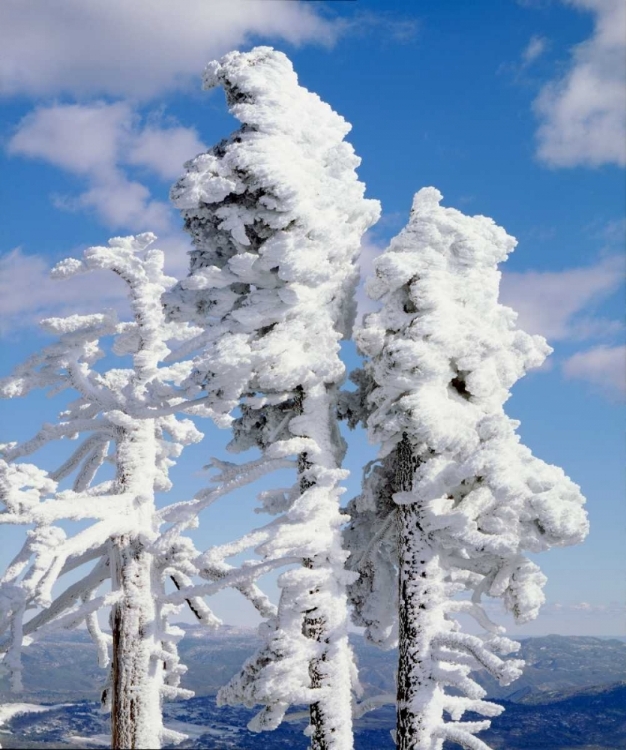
(572,695)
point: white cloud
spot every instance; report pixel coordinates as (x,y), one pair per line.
(164,151)
(94,141)
(122,203)
(551,302)
(28,294)
(583,113)
(604,366)
(534,49)
(138,49)
(80,139)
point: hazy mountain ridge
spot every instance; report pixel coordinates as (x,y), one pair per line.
(572,695)
(63,667)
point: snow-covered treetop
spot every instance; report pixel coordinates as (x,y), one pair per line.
(443,329)
(442,356)
(276,214)
(108,399)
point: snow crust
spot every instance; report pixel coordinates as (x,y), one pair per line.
(441,357)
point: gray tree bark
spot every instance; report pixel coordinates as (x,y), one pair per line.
(419,582)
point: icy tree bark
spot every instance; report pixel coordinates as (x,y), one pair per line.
(419,577)
(313,627)
(315,623)
(136,675)
(418,707)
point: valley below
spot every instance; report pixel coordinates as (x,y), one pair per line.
(572,695)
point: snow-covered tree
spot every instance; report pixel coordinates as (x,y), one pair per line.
(276,214)
(455,500)
(122,416)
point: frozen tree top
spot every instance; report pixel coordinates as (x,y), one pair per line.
(452,352)
(289,157)
(276,213)
(442,356)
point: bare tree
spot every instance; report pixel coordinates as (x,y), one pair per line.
(124,416)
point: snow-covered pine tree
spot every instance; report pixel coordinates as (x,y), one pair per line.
(455,500)
(124,416)
(276,214)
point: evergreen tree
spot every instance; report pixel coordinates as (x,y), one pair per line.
(455,500)
(276,215)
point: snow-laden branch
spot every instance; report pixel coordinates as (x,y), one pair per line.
(371,704)
(233,578)
(243,475)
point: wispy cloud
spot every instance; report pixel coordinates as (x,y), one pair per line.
(519,69)
(557,304)
(534,49)
(603,366)
(534,3)
(140,49)
(612,609)
(401,29)
(95,141)
(614,232)
(582,114)
(567,618)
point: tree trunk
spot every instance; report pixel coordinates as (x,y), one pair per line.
(331,716)
(137,674)
(420,617)
(136,669)
(313,627)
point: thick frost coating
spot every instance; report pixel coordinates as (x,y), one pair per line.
(276,215)
(126,417)
(455,500)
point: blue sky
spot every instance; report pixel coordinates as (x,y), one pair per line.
(516,110)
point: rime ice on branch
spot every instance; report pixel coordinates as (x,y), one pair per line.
(125,417)
(455,500)
(276,215)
